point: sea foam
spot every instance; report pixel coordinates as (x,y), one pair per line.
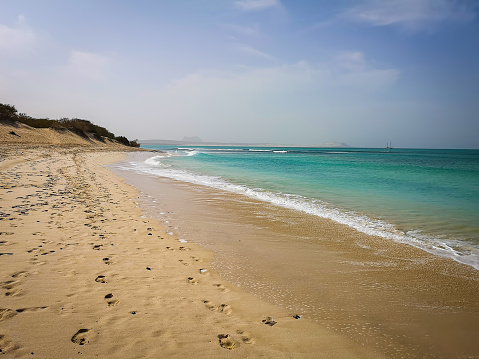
(375,227)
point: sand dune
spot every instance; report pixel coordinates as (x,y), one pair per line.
(19,134)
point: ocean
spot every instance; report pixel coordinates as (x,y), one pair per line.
(426,198)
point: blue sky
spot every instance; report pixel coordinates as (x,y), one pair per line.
(363,72)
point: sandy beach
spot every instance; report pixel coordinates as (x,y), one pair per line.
(393,298)
(84,273)
(86,269)
(239,179)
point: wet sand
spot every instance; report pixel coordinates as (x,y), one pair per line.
(84,274)
(400,301)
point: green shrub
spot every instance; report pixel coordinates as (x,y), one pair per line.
(76,125)
(8,112)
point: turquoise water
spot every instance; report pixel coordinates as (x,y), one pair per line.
(428,198)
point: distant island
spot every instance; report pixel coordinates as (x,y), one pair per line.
(197,141)
(194,139)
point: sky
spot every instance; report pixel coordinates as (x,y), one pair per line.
(362,72)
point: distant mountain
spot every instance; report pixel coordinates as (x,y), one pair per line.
(194,139)
(333,144)
(161,142)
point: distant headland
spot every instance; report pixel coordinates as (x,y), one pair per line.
(197,141)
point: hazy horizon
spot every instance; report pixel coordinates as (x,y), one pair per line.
(329,144)
(361,72)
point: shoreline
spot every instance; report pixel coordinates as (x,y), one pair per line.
(430,300)
(461,250)
(84,273)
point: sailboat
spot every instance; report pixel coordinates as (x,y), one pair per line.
(389,146)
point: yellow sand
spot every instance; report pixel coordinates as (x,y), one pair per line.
(83,273)
(20,135)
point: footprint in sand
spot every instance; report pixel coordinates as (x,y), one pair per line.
(107,260)
(245,337)
(183,262)
(81,337)
(100,279)
(221,287)
(269,321)
(210,306)
(222,308)
(6,313)
(6,345)
(227,342)
(30,309)
(110,301)
(225,308)
(37,261)
(10,287)
(19,274)
(192,280)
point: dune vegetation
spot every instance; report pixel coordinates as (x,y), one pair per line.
(78,126)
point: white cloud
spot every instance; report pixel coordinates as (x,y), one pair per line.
(229,104)
(352,61)
(369,80)
(251,30)
(257,53)
(251,5)
(357,73)
(266,103)
(250,82)
(86,65)
(411,14)
(17,40)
